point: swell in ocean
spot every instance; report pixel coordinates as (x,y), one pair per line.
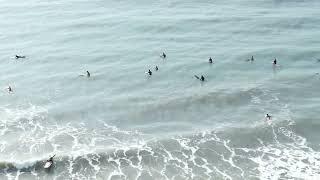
(267,149)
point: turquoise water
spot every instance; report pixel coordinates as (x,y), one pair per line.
(122,124)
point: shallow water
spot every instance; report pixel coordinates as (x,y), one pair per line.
(122,124)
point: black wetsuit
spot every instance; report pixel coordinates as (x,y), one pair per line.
(268,116)
(17,57)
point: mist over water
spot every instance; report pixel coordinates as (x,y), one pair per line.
(122,124)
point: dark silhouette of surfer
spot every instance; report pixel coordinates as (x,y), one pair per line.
(10,89)
(210,60)
(18,57)
(200,78)
(50,161)
(268,117)
(163,55)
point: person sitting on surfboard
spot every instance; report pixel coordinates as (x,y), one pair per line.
(210,60)
(17,57)
(164,55)
(88,74)
(268,116)
(275,61)
(202,78)
(9,89)
(149,72)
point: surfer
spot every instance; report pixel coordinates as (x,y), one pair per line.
(51,159)
(202,78)
(88,74)
(17,57)
(210,60)
(157,68)
(49,162)
(9,89)
(268,117)
(275,61)
(150,72)
(252,59)
(163,55)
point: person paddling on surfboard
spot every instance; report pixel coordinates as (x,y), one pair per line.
(150,72)
(17,57)
(200,78)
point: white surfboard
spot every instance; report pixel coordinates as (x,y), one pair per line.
(48,164)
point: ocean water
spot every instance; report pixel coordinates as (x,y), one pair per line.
(122,124)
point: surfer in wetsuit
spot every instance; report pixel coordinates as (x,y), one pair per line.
(275,61)
(268,117)
(164,55)
(252,59)
(88,74)
(49,162)
(9,89)
(157,68)
(210,60)
(150,72)
(202,78)
(17,57)
(51,159)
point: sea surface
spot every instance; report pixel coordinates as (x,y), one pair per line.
(122,124)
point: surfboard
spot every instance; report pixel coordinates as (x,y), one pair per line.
(48,164)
